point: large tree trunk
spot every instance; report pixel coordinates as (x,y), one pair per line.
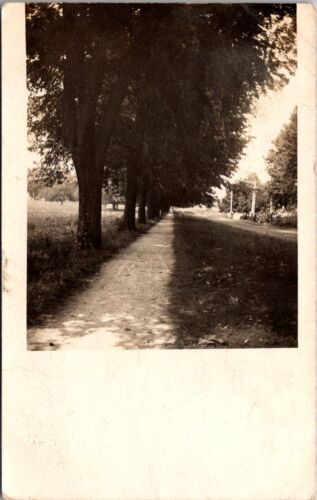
(153,209)
(154,199)
(87,142)
(142,205)
(89,234)
(165,209)
(130,199)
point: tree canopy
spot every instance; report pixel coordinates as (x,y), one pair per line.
(282,166)
(153,97)
(242,195)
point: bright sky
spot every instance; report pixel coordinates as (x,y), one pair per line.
(272,112)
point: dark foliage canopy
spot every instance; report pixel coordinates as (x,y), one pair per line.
(160,89)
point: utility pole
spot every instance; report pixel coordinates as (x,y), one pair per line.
(231,202)
(253,199)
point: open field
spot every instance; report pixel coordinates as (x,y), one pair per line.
(238,286)
(37,209)
(56,268)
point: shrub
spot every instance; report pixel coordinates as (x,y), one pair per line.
(285,220)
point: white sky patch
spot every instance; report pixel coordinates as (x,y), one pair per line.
(273,110)
(31,159)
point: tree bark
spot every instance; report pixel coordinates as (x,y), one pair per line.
(153,209)
(87,142)
(142,206)
(154,198)
(130,199)
(89,234)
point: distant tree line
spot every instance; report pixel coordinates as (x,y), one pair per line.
(282,166)
(68,190)
(242,195)
(281,190)
(150,99)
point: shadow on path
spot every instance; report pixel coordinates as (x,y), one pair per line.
(232,288)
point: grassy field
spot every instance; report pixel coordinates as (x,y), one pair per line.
(238,286)
(55,267)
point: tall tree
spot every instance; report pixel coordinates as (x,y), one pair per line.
(282,166)
(80,61)
(242,195)
(200,79)
(195,71)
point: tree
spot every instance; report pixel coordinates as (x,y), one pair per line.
(179,79)
(242,195)
(33,184)
(199,129)
(37,188)
(113,194)
(80,60)
(282,166)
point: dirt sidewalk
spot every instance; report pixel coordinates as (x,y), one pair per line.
(126,305)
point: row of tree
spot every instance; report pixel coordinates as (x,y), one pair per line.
(238,196)
(282,166)
(67,190)
(281,190)
(149,98)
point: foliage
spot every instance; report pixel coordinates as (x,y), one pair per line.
(161,91)
(113,193)
(34,184)
(282,166)
(287,219)
(68,190)
(199,101)
(242,195)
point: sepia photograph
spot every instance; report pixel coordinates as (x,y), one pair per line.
(161,176)
(158,251)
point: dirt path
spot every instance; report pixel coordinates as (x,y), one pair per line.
(126,306)
(263,229)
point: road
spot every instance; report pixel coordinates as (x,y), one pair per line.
(264,229)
